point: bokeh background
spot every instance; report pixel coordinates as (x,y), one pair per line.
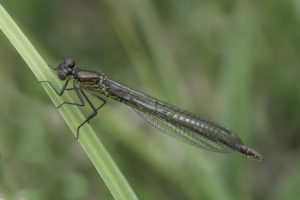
(234,62)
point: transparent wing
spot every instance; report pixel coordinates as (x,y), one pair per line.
(181,124)
(184,134)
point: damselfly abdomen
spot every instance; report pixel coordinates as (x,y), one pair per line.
(174,121)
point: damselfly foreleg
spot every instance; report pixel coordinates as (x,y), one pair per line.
(59,93)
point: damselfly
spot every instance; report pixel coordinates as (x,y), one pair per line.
(176,122)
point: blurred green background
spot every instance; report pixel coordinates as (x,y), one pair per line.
(234,62)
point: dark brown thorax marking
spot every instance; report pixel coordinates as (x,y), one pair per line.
(91,80)
(87,76)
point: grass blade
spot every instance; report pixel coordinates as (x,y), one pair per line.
(101,159)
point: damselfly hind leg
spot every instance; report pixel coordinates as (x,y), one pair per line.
(95,110)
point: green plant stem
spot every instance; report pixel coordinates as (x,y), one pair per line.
(106,167)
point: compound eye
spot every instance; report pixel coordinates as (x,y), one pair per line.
(70,63)
(62,75)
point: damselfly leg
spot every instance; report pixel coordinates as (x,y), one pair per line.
(72,103)
(59,93)
(81,95)
(95,110)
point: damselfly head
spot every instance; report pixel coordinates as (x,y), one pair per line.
(65,68)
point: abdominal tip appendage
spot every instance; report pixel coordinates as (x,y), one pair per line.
(254,155)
